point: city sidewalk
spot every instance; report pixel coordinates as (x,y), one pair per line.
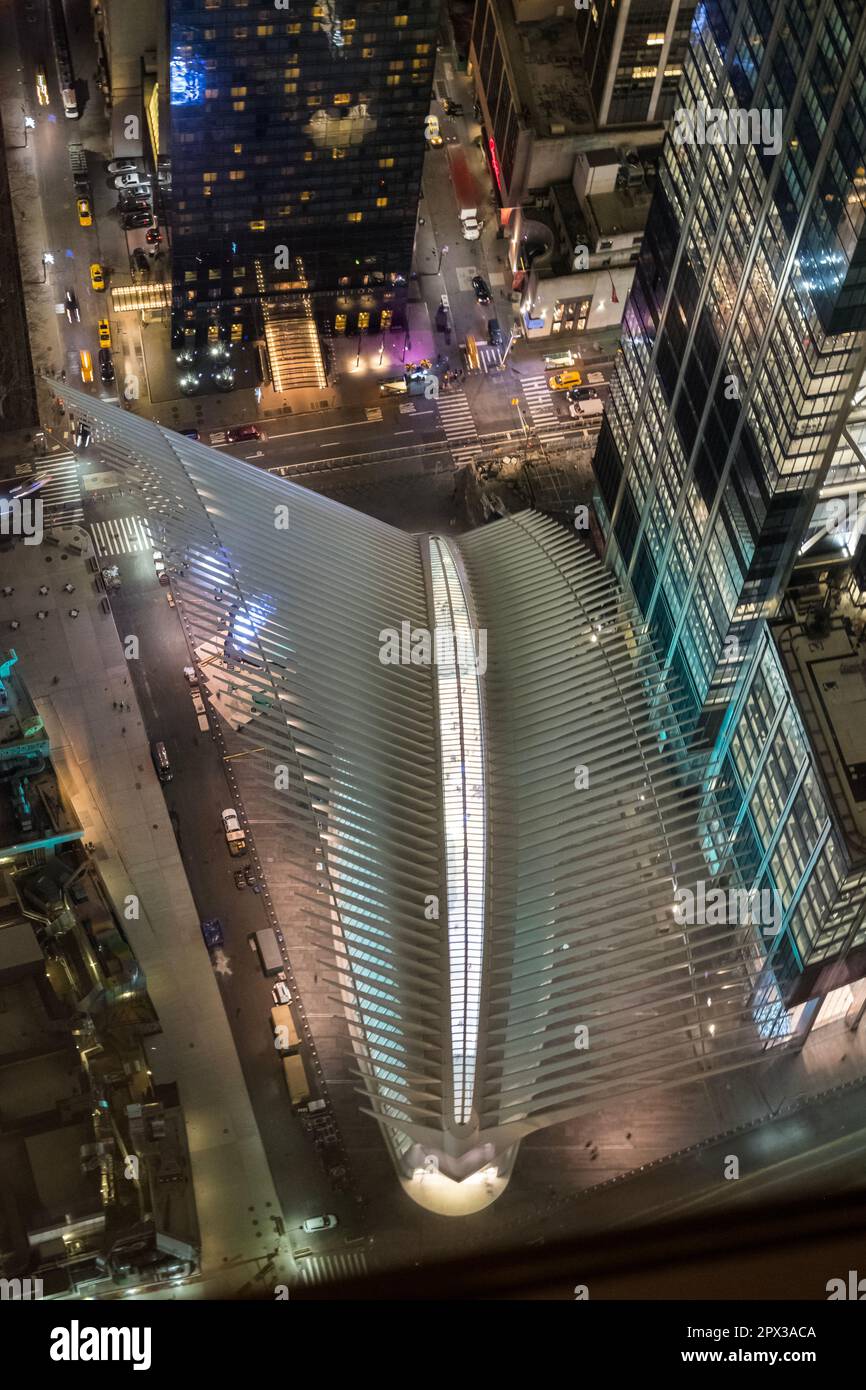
(103,763)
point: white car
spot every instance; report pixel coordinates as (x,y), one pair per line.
(431,131)
(281,994)
(123,166)
(190,675)
(230,820)
(159,562)
(320,1223)
(131,179)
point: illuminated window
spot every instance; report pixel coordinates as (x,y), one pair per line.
(239,91)
(239,106)
(349,24)
(237,149)
(190,275)
(240,33)
(355,216)
(306,195)
(312,101)
(211,93)
(367,52)
(293,28)
(210,33)
(292,72)
(235,175)
(675,71)
(418,63)
(212,4)
(258,226)
(338,153)
(290,87)
(392,80)
(342,98)
(209,178)
(387,163)
(641,73)
(213,274)
(381,202)
(264,29)
(400,21)
(422,48)
(308,155)
(396,66)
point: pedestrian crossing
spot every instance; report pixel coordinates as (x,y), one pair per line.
(539,400)
(61,495)
(122,535)
(325,1269)
(455,416)
(489,359)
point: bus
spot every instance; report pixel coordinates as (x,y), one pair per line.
(63,59)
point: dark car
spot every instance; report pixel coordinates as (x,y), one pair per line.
(582,393)
(250,874)
(241,432)
(81,434)
(240,881)
(154,236)
(495,336)
(452,108)
(191,434)
(139,259)
(71,305)
(135,220)
(481,288)
(132,204)
(441,319)
(106,365)
(212,931)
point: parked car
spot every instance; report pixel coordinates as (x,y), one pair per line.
(139,259)
(86,365)
(481,288)
(452,108)
(212,931)
(250,875)
(70,303)
(123,166)
(241,432)
(131,179)
(170,599)
(85,216)
(582,393)
(97,277)
(240,881)
(104,332)
(106,365)
(191,434)
(281,994)
(130,202)
(154,236)
(190,676)
(319,1223)
(431,131)
(135,221)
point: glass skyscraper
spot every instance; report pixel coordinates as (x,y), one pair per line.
(745,335)
(297,140)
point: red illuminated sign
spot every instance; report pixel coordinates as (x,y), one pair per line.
(494,160)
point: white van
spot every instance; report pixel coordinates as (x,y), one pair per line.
(560,359)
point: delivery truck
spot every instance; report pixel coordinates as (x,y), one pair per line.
(286,1037)
(296,1080)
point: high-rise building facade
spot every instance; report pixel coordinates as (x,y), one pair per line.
(633,52)
(745,335)
(297,140)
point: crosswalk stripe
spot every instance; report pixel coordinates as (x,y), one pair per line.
(455,416)
(61,495)
(323,1269)
(122,535)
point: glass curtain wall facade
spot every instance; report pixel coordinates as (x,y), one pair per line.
(633,53)
(744,334)
(297,141)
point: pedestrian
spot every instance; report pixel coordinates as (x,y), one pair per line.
(114,704)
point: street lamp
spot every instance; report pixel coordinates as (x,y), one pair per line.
(444,252)
(47,260)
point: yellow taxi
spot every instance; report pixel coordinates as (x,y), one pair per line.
(86,365)
(42,88)
(97,278)
(104,333)
(563,381)
(85,216)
